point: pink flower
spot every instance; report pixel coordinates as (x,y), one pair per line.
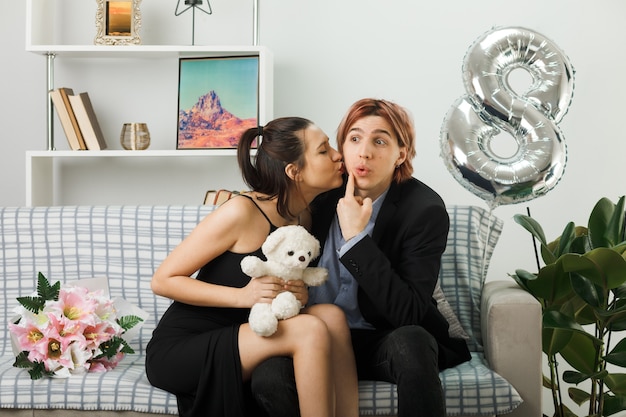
(67,335)
(75,304)
(30,338)
(67,332)
(99,333)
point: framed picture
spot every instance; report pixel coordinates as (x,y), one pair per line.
(218,99)
(118,22)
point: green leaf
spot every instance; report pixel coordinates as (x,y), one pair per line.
(581,243)
(620,248)
(618,323)
(31,303)
(572,377)
(522,277)
(617,383)
(36,370)
(111,347)
(614,404)
(615,232)
(128,322)
(556,331)
(555,319)
(22,361)
(578,396)
(525,275)
(126,348)
(552,284)
(603,266)
(617,356)
(532,226)
(566,239)
(47,291)
(553,340)
(607,317)
(581,353)
(603,223)
(582,312)
(587,290)
(535,229)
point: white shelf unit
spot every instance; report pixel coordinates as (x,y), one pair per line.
(134,53)
(50,174)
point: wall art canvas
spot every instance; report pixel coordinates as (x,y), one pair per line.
(218,99)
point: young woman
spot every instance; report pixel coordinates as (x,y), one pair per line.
(202,350)
(384,233)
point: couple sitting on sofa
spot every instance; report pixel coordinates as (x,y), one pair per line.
(383,233)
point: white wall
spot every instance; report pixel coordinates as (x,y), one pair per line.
(329,53)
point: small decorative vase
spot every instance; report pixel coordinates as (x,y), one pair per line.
(135,136)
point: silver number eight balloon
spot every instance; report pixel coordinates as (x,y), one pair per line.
(492,106)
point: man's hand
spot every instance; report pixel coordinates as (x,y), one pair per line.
(353,211)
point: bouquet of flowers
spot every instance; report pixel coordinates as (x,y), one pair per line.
(62,331)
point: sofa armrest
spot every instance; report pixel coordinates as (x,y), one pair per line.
(511,331)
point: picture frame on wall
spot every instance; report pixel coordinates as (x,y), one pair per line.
(118,22)
(218,99)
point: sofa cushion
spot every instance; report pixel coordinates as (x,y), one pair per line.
(472,239)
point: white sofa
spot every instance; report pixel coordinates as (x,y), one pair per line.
(126,244)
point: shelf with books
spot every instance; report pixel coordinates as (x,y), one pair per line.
(57,176)
(126,55)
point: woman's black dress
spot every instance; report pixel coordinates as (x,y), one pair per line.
(194,351)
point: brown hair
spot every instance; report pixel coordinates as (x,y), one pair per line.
(399,120)
(280,144)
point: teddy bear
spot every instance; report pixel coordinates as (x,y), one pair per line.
(289,250)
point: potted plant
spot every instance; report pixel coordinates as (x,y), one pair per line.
(582,290)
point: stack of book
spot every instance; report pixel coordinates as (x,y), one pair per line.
(78,119)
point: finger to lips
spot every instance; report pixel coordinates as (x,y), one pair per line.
(349,196)
(350,185)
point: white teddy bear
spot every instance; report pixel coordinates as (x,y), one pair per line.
(289,250)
